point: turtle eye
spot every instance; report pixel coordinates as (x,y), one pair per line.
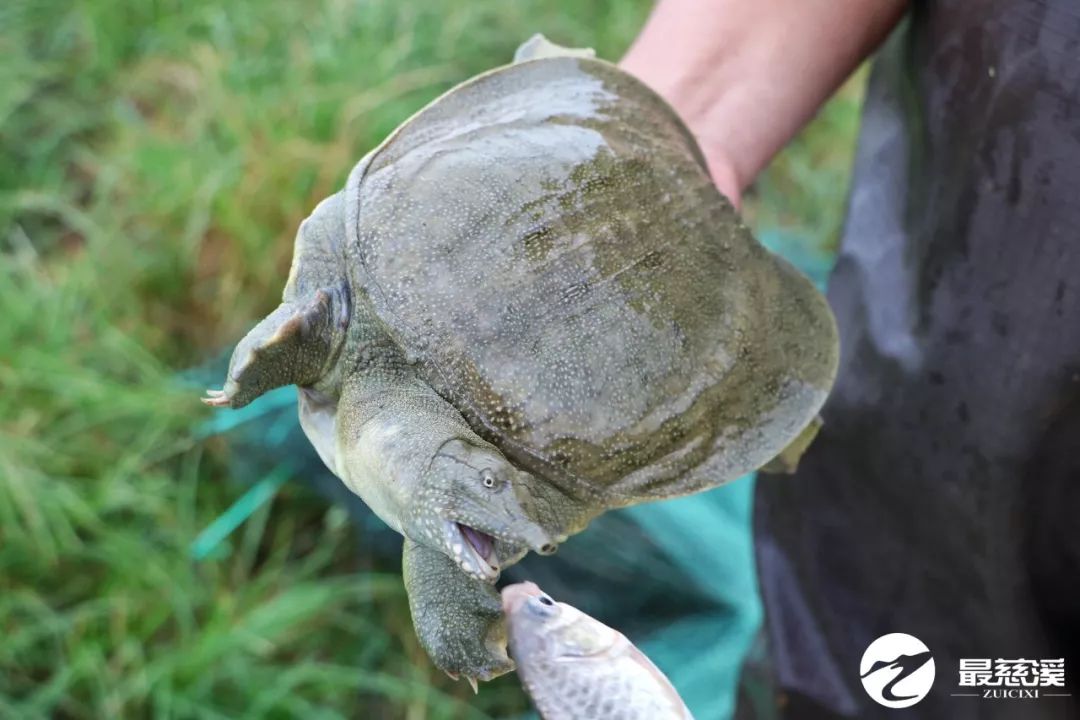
(488,478)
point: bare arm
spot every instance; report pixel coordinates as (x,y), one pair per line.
(746,75)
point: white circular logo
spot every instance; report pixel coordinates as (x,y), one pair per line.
(897,670)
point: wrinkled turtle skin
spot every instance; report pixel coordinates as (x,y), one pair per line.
(537,265)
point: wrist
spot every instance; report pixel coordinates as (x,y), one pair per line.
(746,75)
(693,104)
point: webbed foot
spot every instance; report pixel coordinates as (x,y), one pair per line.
(787,462)
(458,620)
(216,398)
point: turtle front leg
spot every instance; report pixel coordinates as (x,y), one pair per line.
(458,619)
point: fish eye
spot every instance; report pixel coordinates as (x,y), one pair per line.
(542,606)
(488,478)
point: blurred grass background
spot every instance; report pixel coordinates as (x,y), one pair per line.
(156,157)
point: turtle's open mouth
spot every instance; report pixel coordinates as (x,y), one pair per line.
(474,551)
(481,542)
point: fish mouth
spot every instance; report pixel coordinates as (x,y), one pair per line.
(514,596)
(473,551)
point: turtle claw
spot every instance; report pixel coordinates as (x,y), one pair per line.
(215,398)
(469,678)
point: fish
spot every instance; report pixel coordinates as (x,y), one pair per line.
(575,667)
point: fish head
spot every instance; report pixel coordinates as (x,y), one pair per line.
(565,657)
(541,627)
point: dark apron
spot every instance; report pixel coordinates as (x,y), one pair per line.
(942,498)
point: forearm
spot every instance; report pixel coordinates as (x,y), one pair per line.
(746,75)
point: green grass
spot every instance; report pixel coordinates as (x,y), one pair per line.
(156,157)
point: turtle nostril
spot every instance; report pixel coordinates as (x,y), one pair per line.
(547,549)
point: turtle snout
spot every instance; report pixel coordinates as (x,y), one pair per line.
(539,541)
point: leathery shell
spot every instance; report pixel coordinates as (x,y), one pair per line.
(546,246)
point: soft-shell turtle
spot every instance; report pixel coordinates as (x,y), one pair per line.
(530,305)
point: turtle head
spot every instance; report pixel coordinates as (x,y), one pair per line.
(299,342)
(469,504)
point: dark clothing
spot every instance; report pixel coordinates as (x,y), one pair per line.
(942,497)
